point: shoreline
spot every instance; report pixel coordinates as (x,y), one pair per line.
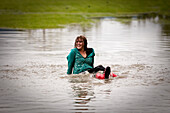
(88,18)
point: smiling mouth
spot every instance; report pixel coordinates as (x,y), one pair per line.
(78,45)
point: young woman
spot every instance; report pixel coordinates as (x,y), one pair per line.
(81,59)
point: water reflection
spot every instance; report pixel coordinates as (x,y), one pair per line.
(166,30)
(83,92)
(84,86)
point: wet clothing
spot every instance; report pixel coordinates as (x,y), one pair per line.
(77,63)
(104,75)
(100,76)
(96,69)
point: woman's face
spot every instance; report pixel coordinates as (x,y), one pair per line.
(80,44)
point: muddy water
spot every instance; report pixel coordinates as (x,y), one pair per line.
(33,69)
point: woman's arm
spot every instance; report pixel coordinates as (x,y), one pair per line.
(71,59)
(93,61)
(93,58)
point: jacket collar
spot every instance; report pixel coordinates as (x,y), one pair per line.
(90,55)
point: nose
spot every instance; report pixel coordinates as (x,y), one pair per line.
(78,42)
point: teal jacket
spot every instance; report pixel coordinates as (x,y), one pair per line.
(78,63)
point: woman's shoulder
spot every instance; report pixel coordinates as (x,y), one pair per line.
(74,50)
(72,53)
(90,50)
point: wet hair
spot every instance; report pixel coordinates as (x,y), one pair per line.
(84,40)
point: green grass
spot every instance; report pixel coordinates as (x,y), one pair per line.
(56,13)
(40,20)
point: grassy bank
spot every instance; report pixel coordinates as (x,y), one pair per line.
(56,13)
(40,20)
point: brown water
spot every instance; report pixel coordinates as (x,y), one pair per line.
(33,69)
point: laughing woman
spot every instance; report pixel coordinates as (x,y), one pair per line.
(81,59)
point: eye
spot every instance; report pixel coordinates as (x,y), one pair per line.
(79,41)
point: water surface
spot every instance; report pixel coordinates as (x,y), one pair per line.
(33,68)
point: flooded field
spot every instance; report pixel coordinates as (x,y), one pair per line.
(33,68)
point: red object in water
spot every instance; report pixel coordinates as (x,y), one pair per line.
(113,75)
(100,76)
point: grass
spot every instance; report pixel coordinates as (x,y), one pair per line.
(56,13)
(40,20)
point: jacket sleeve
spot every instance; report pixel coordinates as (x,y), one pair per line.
(93,62)
(71,60)
(93,59)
